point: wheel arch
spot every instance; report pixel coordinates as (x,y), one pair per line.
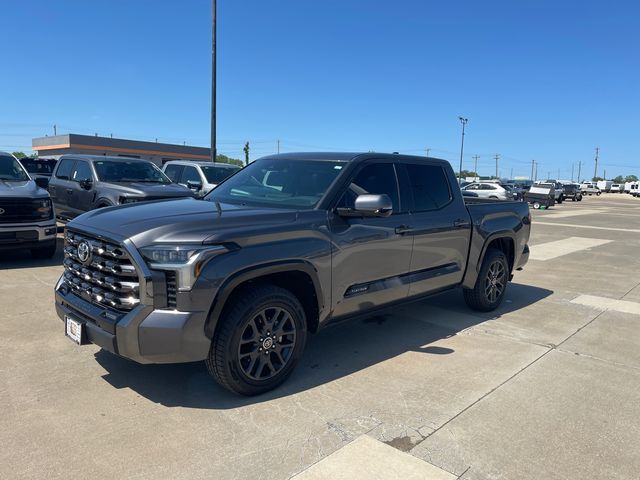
(504,241)
(299,277)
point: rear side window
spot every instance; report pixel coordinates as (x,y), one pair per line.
(64,169)
(173,172)
(429,186)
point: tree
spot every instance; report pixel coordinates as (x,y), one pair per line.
(596,179)
(246,153)
(618,179)
(631,178)
(233,161)
(468,173)
(19,154)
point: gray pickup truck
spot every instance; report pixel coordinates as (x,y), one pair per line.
(284,247)
(26,213)
(85,182)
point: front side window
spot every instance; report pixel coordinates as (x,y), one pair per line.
(375,179)
(81,172)
(429,186)
(190,174)
(284,183)
(124,171)
(217,174)
(173,172)
(11,170)
(64,169)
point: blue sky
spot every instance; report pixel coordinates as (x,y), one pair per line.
(542,80)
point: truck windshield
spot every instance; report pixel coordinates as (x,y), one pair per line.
(11,170)
(133,171)
(286,183)
(217,174)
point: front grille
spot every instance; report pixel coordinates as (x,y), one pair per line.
(23,210)
(107,277)
(172,289)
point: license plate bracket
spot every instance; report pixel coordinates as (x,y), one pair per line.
(75,330)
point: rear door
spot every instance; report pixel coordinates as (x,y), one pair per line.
(371,255)
(60,186)
(440,227)
(173,171)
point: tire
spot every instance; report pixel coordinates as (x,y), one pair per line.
(46,251)
(560,200)
(536,205)
(573,199)
(491,284)
(580,198)
(235,359)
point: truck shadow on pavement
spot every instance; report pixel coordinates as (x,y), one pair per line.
(23,259)
(333,353)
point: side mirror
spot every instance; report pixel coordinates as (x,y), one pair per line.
(369,206)
(87,183)
(42,182)
(195,186)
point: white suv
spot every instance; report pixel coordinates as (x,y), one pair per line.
(201,177)
(489,190)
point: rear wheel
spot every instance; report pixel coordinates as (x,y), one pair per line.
(491,284)
(536,205)
(259,341)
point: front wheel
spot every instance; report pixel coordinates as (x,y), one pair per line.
(491,284)
(560,199)
(259,341)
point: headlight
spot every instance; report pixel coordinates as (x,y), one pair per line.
(44,208)
(125,200)
(186,260)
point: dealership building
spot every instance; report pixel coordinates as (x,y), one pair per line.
(159,153)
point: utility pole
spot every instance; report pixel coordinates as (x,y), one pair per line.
(55,130)
(536,174)
(428,150)
(605,174)
(475,165)
(558,178)
(463,121)
(579,169)
(213,81)
(511,177)
(278,146)
(497,157)
(595,173)
(533,166)
(572,171)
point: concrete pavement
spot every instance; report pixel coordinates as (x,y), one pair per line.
(546,387)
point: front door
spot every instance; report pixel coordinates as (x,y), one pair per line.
(371,256)
(61,186)
(81,199)
(440,226)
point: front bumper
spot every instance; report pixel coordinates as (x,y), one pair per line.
(150,332)
(20,235)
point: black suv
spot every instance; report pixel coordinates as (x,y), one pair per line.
(85,182)
(572,191)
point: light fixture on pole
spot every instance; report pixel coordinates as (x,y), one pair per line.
(463,121)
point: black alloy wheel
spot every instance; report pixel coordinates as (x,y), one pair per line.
(266,344)
(490,287)
(495,281)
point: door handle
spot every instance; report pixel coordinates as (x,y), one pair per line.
(460,223)
(402,229)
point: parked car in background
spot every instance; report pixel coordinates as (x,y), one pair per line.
(627,187)
(38,167)
(635,189)
(200,177)
(489,190)
(604,185)
(558,189)
(517,190)
(541,195)
(616,188)
(572,191)
(85,182)
(27,218)
(589,188)
(283,248)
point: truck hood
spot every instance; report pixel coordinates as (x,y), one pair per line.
(27,188)
(181,221)
(151,189)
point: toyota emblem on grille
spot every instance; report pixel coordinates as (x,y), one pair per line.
(1,211)
(84,252)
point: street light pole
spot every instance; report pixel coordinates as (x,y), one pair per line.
(213,81)
(464,123)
